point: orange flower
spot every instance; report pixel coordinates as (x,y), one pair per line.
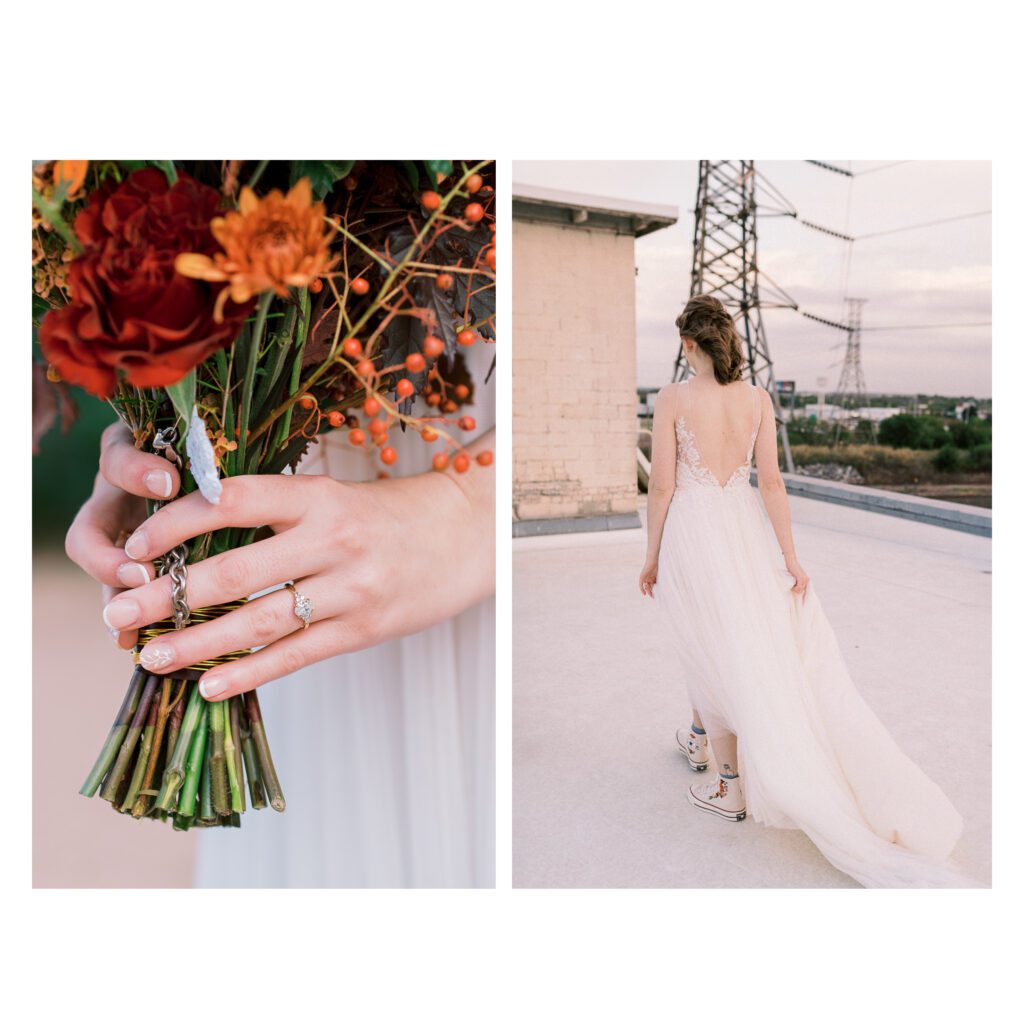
(270,243)
(221,445)
(71,171)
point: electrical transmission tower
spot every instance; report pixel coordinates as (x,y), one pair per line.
(852,391)
(725,265)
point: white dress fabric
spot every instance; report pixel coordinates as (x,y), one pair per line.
(386,756)
(764,664)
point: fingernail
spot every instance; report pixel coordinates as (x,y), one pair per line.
(212,685)
(155,657)
(159,483)
(115,634)
(131,574)
(135,545)
(119,614)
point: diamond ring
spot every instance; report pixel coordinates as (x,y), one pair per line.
(303,606)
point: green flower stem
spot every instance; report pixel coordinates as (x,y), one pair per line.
(218,760)
(259,737)
(194,767)
(301,335)
(116,735)
(162,714)
(174,773)
(251,359)
(173,728)
(143,759)
(124,755)
(233,755)
(252,768)
(206,811)
(281,345)
(258,173)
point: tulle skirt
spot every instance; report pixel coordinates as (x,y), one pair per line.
(764,664)
(386,757)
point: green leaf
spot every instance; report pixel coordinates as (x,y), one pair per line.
(167,166)
(40,307)
(322,174)
(436,167)
(412,173)
(183,397)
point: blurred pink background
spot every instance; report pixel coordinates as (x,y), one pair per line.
(79,681)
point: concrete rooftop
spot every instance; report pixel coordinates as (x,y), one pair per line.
(599,787)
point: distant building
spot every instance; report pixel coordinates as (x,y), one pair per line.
(966,410)
(821,412)
(574,405)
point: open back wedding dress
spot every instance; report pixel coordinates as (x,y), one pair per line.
(764,664)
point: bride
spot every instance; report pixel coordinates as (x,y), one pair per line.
(795,744)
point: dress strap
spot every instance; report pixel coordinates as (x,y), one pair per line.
(757,418)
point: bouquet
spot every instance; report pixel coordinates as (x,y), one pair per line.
(231,312)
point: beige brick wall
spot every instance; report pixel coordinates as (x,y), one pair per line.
(573,372)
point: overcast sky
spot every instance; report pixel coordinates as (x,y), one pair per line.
(934,275)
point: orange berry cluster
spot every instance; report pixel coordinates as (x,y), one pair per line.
(436,393)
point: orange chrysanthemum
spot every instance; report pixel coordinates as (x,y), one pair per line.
(270,243)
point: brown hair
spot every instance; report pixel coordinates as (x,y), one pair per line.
(707,323)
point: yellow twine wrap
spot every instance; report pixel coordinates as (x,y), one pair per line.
(214,611)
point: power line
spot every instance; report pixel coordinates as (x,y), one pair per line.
(831,167)
(883,167)
(926,224)
(826,231)
(842,236)
(891,327)
(851,172)
(926,327)
(823,320)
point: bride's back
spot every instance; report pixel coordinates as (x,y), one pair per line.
(720,420)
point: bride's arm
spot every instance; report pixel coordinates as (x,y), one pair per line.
(662,482)
(773,490)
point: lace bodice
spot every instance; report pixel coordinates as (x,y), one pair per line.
(690,468)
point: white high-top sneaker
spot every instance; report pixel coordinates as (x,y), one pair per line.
(695,746)
(724,798)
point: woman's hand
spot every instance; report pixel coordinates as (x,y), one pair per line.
(96,538)
(800,577)
(648,577)
(376,560)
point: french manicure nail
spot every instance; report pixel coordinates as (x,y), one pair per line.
(159,483)
(132,574)
(155,657)
(115,634)
(119,614)
(212,685)
(135,545)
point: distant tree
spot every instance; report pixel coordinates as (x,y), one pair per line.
(904,430)
(949,459)
(971,433)
(980,458)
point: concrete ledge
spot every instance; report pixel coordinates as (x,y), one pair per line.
(581,524)
(906,506)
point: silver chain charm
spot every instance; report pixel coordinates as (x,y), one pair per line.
(174,563)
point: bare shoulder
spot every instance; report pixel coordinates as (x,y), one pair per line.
(666,399)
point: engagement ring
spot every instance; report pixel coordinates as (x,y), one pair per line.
(303,606)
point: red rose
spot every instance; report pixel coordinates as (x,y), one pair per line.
(130,309)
